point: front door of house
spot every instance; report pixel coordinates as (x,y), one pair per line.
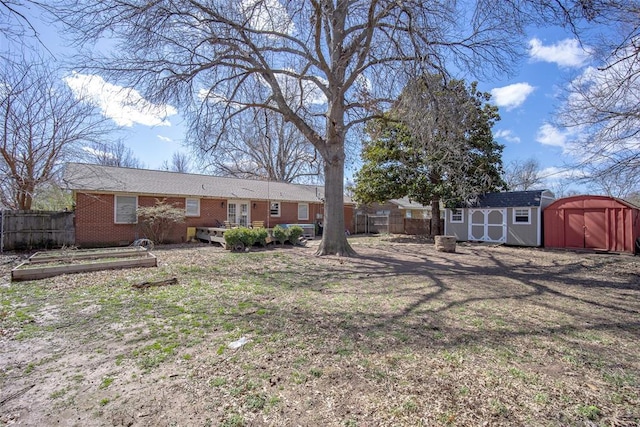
(238,212)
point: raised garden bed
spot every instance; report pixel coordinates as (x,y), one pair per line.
(48,264)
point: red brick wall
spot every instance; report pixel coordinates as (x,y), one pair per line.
(95,222)
(260,211)
(95,225)
(95,219)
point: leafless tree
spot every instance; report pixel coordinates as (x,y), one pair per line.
(180,162)
(325,66)
(523,175)
(563,188)
(14,20)
(262,145)
(622,183)
(43,124)
(602,104)
(111,154)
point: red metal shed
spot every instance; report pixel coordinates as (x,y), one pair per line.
(592,222)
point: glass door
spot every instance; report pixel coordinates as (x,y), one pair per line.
(238,213)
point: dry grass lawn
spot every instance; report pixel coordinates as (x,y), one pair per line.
(401,335)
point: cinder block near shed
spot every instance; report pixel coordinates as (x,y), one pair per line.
(445,243)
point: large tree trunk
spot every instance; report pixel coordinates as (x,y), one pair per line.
(334,239)
(436,230)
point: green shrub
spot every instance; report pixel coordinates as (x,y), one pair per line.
(261,235)
(236,238)
(248,236)
(280,233)
(232,237)
(294,234)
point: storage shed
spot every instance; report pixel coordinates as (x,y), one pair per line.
(592,222)
(512,218)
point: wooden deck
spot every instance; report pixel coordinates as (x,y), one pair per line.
(211,235)
(216,234)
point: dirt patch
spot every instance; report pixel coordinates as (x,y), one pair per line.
(400,335)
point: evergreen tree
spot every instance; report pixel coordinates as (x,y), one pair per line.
(435,145)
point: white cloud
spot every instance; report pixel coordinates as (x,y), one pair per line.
(551,135)
(267,15)
(164,138)
(565,53)
(554,173)
(125,106)
(296,92)
(99,153)
(300,92)
(561,180)
(507,135)
(511,96)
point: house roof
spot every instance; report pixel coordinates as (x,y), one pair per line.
(511,199)
(98,178)
(405,203)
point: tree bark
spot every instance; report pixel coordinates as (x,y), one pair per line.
(435,217)
(334,239)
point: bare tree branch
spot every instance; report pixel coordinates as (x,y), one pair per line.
(43,125)
(322,65)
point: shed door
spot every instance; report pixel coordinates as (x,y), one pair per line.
(595,232)
(585,228)
(488,225)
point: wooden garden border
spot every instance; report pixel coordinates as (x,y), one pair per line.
(35,270)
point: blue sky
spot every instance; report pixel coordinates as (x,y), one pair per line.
(527,100)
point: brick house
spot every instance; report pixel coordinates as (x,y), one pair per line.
(106,199)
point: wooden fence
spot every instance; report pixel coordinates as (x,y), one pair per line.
(393,224)
(22,230)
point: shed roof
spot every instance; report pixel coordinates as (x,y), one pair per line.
(585,201)
(88,177)
(405,203)
(511,199)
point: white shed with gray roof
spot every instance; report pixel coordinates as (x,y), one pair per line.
(512,218)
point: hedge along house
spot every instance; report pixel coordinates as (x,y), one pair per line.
(512,218)
(106,199)
(396,216)
(598,223)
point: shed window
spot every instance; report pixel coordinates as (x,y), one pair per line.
(274,210)
(192,207)
(522,216)
(303,211)
(456,215)
(125,209)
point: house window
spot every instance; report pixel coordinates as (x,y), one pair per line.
(303,211)
(274,210)
(456,215)
(522,216)
(125,209)
(387,212)
(408,214)
(192,207)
